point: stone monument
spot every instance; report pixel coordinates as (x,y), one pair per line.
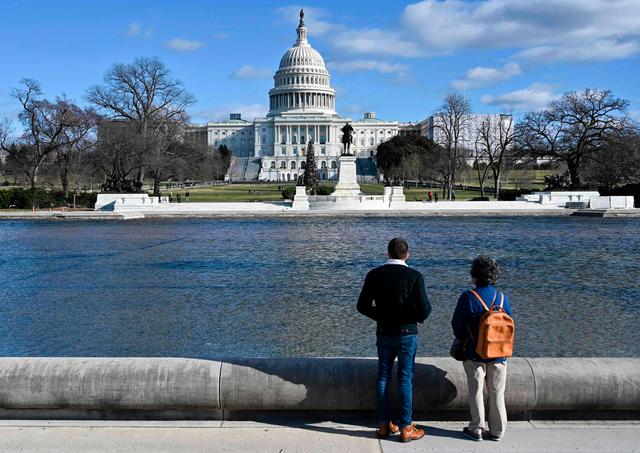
(347,186)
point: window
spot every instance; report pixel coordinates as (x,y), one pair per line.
(295,150)
(333,164)
(303,165)
(293,165)
(283,165)
(323,135)
(273,165)
(323,165)
(362,142)
(371,140)
(283,135)
(283,149)
(242,141)
(323,150)
(264,139)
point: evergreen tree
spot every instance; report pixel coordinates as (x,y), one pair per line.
(311,171)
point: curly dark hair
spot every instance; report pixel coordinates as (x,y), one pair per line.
(485,271)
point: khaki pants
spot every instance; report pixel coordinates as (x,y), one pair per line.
(496,379)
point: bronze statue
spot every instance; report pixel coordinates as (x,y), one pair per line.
(347,139)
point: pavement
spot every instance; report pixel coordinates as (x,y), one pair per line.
(248,436)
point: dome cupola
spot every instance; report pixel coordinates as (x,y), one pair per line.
(302,82)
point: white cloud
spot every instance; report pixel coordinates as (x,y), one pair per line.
(556,28)
(313,18)
(221,36)
(401,71)
(248,112)
(535,97)
(481,77)
(369,65)
(136,30)
(374,41)
(600,50)
(248,72)
(183,45)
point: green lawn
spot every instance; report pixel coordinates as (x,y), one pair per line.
(272,192)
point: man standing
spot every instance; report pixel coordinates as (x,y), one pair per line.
(394,296)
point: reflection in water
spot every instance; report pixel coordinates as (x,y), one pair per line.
(215,288)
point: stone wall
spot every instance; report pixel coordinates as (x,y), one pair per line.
(191,388)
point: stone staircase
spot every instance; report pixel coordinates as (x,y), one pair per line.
(244,169)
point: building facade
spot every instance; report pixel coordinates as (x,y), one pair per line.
(302,106)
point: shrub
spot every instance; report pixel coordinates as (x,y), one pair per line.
(324,190)
(27,198)
(480,199)
(288,193)
(512,194)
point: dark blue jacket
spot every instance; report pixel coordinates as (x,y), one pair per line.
(468,312)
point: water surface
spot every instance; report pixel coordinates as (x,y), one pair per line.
(214,288)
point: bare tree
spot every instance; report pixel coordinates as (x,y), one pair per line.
(618,163)
(79,139)
(44,125)
(494,147)
(450,122)
(572,129)
(483,144)
(144,95)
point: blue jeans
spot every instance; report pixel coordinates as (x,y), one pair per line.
(404,348)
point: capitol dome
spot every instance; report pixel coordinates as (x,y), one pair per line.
(302,82)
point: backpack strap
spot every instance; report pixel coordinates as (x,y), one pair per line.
(501,300)
(484,305)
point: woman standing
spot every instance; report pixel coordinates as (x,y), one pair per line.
(485,272)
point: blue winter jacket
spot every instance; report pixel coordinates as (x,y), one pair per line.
(468,312)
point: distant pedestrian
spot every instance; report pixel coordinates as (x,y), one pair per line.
(453,195)
(470,312)
(435,196)
(394,296)
(186,196)
(170,198)
(430,196)
(178,198)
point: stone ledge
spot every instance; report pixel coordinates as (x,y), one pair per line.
(140,388)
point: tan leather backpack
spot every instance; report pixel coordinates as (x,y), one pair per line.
(496,331)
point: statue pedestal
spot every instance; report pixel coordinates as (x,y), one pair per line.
(300,200)
(347,184)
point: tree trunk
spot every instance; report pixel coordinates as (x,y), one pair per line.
(480,179)
(65,186)
(156,186)
(574,174)
(33,177)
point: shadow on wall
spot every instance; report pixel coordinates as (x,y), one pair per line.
(314,390)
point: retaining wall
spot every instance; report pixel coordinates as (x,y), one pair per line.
(191,388)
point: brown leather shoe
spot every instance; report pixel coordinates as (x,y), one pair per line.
(411,432)
(385,429)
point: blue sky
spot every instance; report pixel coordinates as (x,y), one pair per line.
(396,58)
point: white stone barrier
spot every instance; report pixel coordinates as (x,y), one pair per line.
(616,202)
(127,387)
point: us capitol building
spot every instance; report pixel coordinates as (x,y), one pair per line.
(302,106)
